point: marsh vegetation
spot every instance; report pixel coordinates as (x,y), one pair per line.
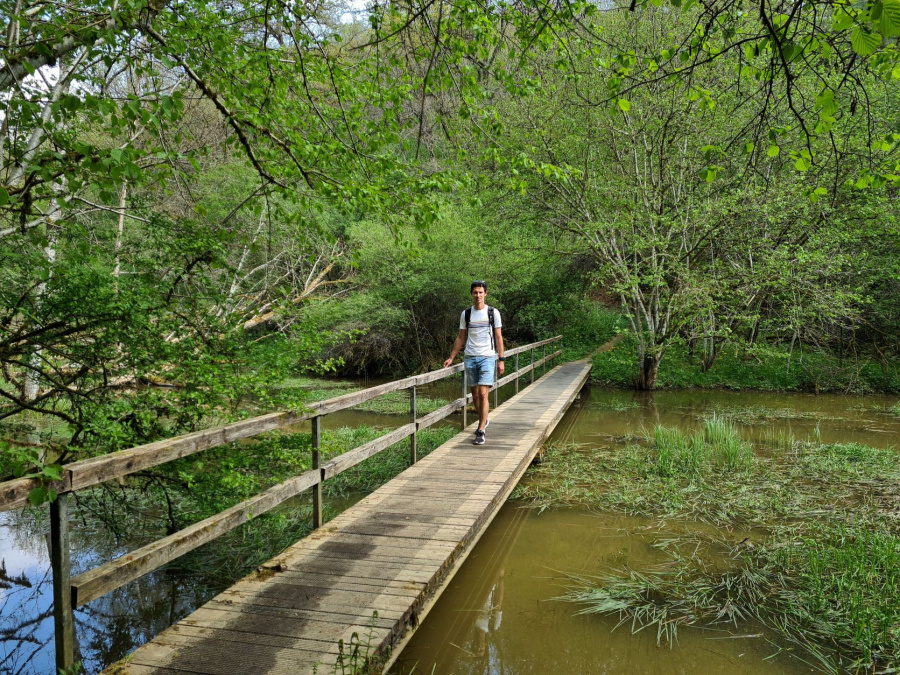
(817,560)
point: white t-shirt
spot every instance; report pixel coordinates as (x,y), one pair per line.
(479,340)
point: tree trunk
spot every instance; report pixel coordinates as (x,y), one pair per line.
(649,369)
(710,355)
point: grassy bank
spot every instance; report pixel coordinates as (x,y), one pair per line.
(761,367)
(817,560)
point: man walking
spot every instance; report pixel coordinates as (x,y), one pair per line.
(479,331)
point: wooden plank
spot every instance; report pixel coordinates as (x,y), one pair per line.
(533,345)
(437,415)
(357,616)
(363,452)
(116,573)
(314,633)
(14,493)
(506,379)
(89,472)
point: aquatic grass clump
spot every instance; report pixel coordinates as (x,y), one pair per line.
(843,586)
(834,593)
(729,449)
(677,453)
(849,461)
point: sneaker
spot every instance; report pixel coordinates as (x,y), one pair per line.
(479,437)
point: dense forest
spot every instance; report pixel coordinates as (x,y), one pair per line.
(198,200)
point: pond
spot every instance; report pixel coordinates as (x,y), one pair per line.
(499,614)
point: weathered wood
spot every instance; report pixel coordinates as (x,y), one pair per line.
(363,452)
(412,418)
(533,345)
(506,379)
(317,466)
(14,493)
(93,471)
(357,397)
(112,575)
(63,618)
(437,415)
(394,551)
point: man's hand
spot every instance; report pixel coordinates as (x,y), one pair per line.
(501,367)
(448,362)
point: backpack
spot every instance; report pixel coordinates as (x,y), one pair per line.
(490,321)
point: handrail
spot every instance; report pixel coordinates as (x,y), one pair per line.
(105,578)
(95,470)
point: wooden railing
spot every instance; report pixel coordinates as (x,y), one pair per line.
(70,593)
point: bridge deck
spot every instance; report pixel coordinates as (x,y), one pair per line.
(392,553)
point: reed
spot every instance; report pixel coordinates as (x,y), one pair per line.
(832,591)
(729,449)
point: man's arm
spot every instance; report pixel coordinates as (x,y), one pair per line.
(498,339)
(457,345)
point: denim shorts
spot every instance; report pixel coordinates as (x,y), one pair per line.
(480,370)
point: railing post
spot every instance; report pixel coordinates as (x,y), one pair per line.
(517,372)
(63,619)
(317,464)
(496,381)
(543,356)
(464,394)
(412,418)
(532,365)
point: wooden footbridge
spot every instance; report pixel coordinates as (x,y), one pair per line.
(358,586)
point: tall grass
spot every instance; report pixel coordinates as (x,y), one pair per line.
(833,593)
(717,445)
(729,449)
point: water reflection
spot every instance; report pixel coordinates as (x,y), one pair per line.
(107,629)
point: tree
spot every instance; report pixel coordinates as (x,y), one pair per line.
(695,243)
(128,290)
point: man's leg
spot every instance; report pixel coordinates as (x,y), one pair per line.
(480,398)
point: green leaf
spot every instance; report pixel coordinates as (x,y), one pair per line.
(864,42)
(624,105)
(802,164)
(889,21)
(841,21)
(38,496)
(773,151)
(52,471)
(4,197)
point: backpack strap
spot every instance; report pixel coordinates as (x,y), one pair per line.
(491,321)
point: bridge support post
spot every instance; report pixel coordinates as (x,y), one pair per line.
(63,618)
(543,356)
(317,464)
(464,394)
(532,365)
(412,418)
(517,371)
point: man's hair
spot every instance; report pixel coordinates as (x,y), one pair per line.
(476,284)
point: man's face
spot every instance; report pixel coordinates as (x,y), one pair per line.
(478,294)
